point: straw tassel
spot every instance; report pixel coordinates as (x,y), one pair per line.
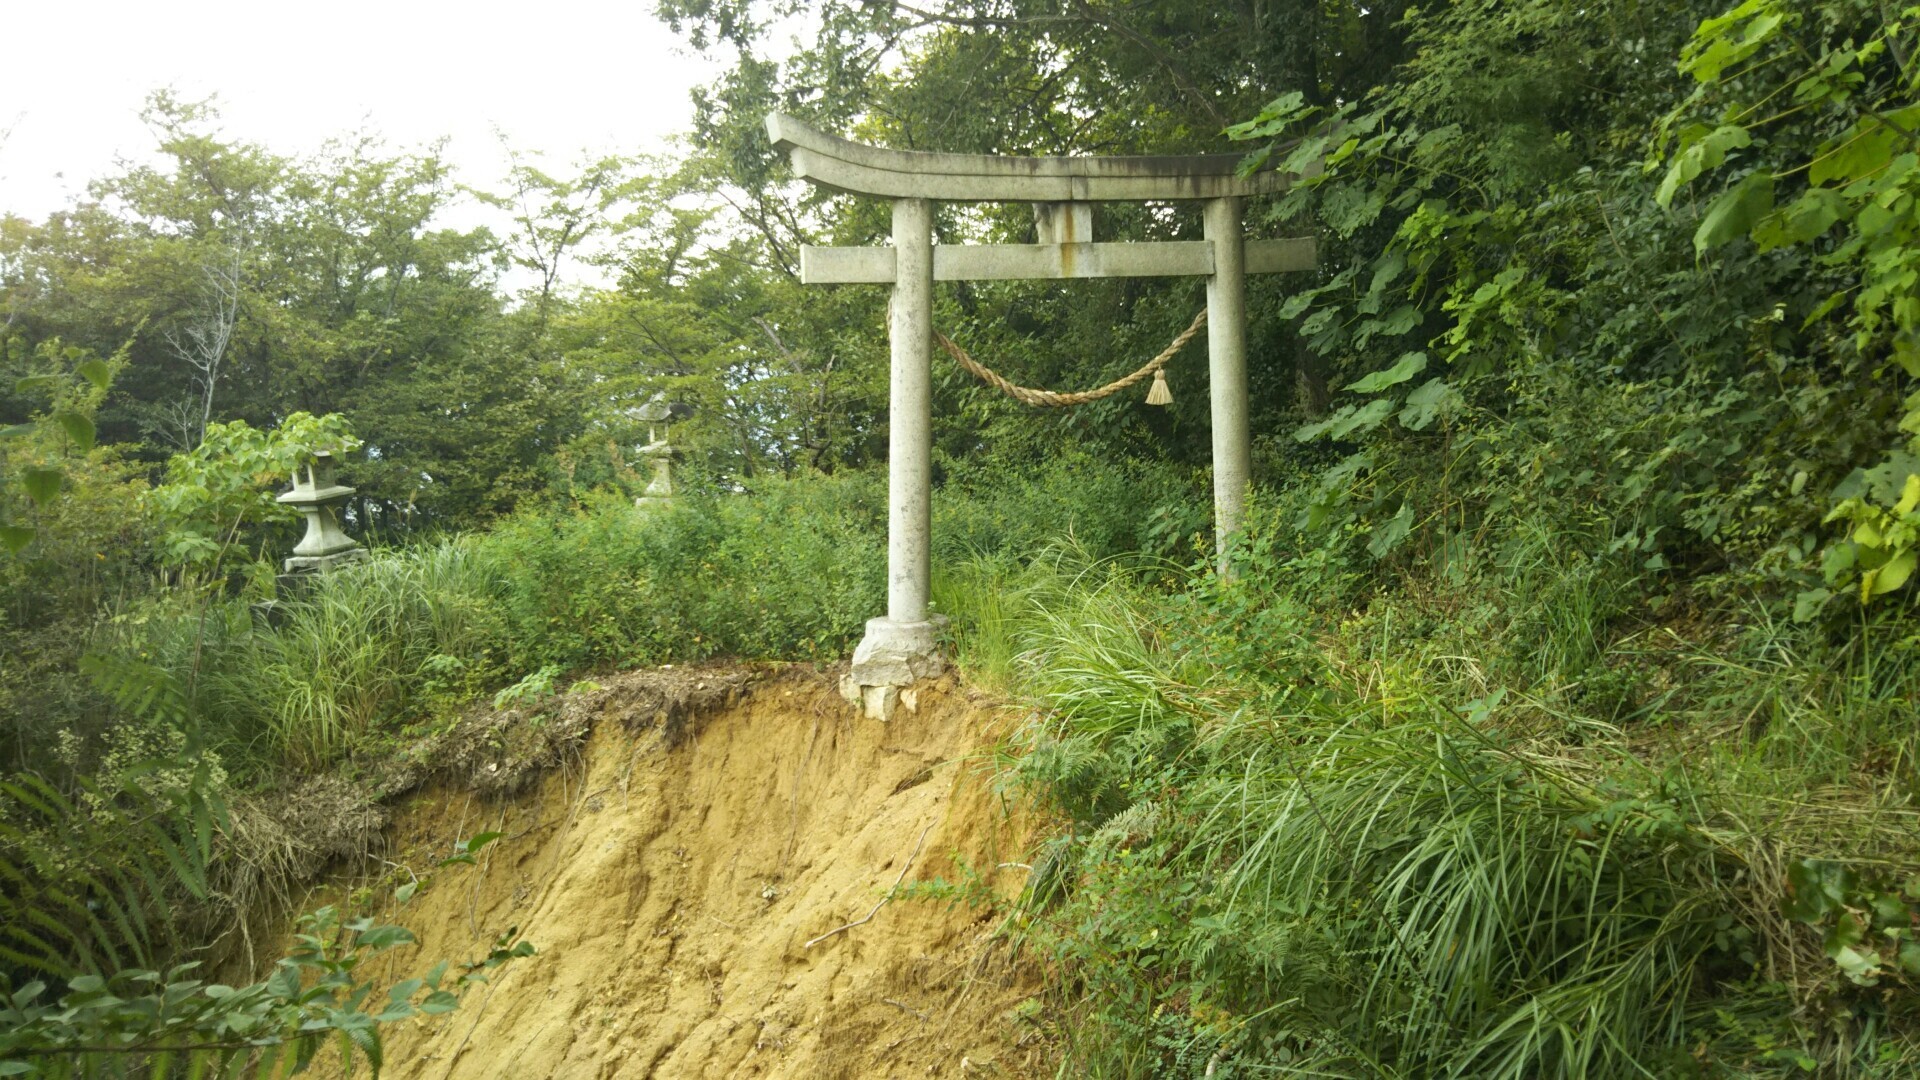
(1159,393)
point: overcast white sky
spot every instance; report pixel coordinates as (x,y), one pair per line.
(558,76)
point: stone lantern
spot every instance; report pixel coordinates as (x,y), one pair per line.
(658,454)
(316,495)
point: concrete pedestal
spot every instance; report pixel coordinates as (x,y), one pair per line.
(893,656)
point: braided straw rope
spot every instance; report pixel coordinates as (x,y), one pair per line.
(1054,399)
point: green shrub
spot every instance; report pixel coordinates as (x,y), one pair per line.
(1422,838)
(790,569)
(350,657)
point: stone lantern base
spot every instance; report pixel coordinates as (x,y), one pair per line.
(659,493)
(320,564)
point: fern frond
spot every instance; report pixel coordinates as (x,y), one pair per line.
(94,880)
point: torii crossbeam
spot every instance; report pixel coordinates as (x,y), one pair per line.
(900,648)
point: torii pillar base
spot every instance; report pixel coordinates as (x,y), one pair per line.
(892,658)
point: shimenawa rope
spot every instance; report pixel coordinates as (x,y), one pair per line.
(1156,367)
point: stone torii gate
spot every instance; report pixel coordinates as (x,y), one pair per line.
(900,648)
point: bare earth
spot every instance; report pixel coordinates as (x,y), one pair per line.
(672,870)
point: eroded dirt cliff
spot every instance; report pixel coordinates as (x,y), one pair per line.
(700,828)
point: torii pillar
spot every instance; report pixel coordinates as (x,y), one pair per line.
(901,647)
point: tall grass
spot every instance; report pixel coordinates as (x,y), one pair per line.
(1289,852)
(790,570)
(358,649)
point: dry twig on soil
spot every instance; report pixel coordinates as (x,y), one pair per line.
(883,900)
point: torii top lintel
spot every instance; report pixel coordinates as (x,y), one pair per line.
(856,168)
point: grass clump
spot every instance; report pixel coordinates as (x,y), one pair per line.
(1438,835)
(789,570)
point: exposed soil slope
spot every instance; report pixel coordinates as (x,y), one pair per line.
(673,867)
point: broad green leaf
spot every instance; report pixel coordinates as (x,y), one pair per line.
(1388,536)
(1716,45)
(1273,119)
(1437,138)
(284,983)
(31,383)
(1808,604)
(1863,151)
(1837,560)
(1814,889)
(1393,324)
(386,937)
(1409,365)
(1306,157)
(15,431)
(1861,966)
(1702,150)
(1319,428)
(1255,160)
(78,426)
(1735,211)
(1824,308)
(1432,400)
(1886,483)
(1889,911)
(96,372)
(42,484)
(1386,270)
(478,841)
(1361,420)
(1804,219)
(1909,495)
(1347,208)
(1894,573)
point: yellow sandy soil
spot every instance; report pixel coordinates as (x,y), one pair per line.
(671,892)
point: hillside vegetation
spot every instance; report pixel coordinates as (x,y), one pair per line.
(1557,716)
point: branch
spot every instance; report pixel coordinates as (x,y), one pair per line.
(1161,57)
(792,358)
(780,252)
(157,1048)
(980,22)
